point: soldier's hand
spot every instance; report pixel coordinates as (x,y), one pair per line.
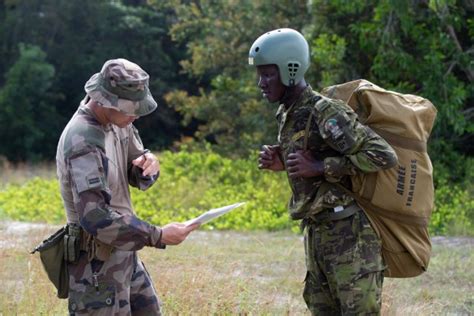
(148,163)
(302,164)
(176,233)
(268,158)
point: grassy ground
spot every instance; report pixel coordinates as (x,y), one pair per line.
(237,273)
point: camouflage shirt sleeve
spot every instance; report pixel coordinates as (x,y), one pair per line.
(135,150)
(361,148)
(88,174)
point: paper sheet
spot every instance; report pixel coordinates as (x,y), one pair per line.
(213,213)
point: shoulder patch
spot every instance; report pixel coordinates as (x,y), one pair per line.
(331,126)
(87,172)
(322,104)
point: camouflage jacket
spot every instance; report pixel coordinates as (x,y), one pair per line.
(336,137)
(94,170)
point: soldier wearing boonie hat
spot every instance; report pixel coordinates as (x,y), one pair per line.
(99,155)
(122,85)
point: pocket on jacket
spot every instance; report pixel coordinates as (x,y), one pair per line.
(91,298)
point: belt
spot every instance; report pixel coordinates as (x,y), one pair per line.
(335,214)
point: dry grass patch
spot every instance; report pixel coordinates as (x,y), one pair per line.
(22,172)
(226,273)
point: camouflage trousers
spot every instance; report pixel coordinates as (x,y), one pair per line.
(345,267)
(119,286)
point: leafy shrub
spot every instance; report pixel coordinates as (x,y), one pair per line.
(453,211)
(191,183)
(454,206)
(36,200)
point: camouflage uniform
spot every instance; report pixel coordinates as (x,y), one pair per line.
(343,257)
(94,169)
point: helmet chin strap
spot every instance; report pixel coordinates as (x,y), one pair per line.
(292,93)
(287,96)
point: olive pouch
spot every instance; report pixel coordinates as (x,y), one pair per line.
(72,243)
(52,258)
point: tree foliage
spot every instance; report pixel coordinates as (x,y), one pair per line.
(25,111)
(418,47)
(77,37)
(218,35)
(196,53)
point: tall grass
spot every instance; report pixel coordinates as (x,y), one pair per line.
(231,273)
(22,172)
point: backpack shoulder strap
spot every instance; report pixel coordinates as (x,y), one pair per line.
(319,106)
(306,131)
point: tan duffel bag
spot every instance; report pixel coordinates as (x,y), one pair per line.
(398,201)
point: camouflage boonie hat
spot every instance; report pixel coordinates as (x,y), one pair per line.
(123,86)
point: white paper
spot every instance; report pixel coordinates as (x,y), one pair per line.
(213,213)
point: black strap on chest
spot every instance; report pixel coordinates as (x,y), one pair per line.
(306,131)
(315,99)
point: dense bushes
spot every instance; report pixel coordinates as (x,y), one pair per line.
(36,200)
(194,182)
(454,214)
(190,183)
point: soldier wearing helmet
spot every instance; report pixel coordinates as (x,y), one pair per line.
(320,144)
(99,155)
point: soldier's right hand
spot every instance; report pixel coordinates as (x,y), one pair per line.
(176,233)
(268,158)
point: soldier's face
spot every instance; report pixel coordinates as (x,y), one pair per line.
(120,119)
(269,83)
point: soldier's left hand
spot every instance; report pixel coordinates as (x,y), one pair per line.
(148,163)
(302,164)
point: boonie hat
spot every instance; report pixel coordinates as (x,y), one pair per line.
(123,86)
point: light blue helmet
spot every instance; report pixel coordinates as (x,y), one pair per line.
(287,49)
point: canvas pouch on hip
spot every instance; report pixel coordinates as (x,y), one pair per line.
(52,258)
(72,243)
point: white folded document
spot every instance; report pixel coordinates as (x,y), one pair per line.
(213,213)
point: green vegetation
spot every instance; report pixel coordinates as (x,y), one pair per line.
(423,48)
(25,111)
(192,182)
(50,49)
(196,54)
(189,184)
